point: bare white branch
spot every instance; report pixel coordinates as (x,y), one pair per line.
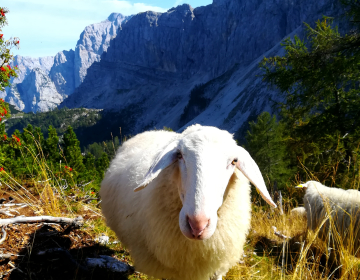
(78,221)
(13,204)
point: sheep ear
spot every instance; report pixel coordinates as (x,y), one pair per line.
(251,171)
(163,160)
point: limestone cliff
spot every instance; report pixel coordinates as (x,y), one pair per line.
(150,68)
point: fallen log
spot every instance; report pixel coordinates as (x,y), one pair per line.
(76,222)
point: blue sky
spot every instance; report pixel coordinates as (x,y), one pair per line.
(48,26)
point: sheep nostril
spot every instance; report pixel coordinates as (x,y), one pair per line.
(198,224)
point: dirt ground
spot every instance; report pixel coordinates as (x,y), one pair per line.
(50,250)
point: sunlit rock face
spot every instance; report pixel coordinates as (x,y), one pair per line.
(148,71)
(94,40)
(38,92)
(61,73)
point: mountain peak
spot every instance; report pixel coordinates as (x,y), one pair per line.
(114,16)
(181,8)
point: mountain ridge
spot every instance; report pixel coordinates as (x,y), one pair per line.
(63,72)
(156,59)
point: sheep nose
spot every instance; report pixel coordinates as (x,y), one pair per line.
(198,224)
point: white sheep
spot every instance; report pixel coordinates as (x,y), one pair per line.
(343,207)
(191,220)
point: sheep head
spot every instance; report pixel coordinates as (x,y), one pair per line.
(206,158)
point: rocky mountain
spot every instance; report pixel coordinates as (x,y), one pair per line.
(44,82)
(193,65)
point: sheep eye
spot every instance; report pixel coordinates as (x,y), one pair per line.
(179,155)
(234,161)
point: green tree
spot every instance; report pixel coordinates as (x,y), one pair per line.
(89,162)
(51,147)
(39,137)
(102,164)
(14,162)
(6,71)
(265,143)
(95,149)
(72,151)
(27,135)
(109,147)
(318,79)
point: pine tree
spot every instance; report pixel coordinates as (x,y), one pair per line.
(51,147)
(91,172)
(265,143)
(318,79)
(72,151)
(39,137)
(14,161)
(28,136)
(102,164)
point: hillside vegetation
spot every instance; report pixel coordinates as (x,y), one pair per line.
(59,119)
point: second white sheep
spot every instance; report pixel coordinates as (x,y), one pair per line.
(323,203)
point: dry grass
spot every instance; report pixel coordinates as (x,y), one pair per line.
(266,256)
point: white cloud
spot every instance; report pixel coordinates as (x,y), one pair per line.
(48,26)
(178,2)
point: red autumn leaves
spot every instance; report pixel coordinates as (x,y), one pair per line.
(3,113)
(6,71)
(13,140)
(68,168)
(3,110)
